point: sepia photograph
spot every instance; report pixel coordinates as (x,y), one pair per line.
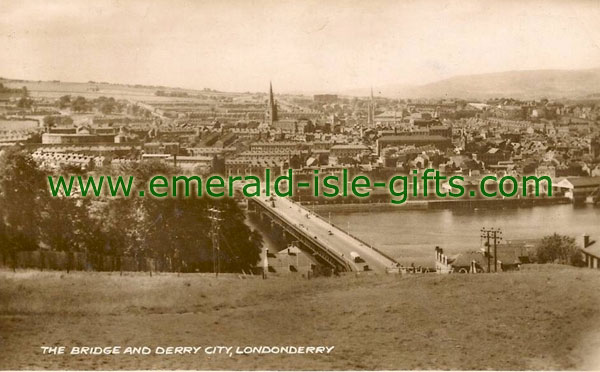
(299,185)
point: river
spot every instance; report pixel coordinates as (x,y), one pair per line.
(410,236)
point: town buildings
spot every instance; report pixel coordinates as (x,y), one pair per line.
(379,135)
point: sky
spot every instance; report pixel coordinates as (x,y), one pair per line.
(302,46)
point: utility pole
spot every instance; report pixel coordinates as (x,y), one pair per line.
(485,234)
(215,219)
(265,269)
(496,236)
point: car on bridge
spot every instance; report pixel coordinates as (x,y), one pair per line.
(356,257)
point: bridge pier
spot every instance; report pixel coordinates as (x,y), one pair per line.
(278,233)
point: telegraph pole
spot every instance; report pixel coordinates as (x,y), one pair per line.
(265,262)
(496,236)
(215,219)
(485,234)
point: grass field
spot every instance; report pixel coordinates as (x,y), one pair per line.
(544,317)
(54,89)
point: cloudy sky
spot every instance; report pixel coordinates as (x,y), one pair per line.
(300,45)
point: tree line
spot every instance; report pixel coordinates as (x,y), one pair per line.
(175,231)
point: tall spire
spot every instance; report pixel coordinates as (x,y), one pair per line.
(272,105)
(371,111)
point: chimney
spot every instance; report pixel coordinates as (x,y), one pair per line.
(586,240)
(439,254)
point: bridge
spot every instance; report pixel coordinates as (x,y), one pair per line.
(329,244)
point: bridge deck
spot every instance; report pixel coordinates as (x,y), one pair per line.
(338,241)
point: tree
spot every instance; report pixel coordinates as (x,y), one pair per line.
(22,187)
(34,138)
(64,101)
(559,249)
(176,230)
(103,232)
(4,248)
(25,102)
(65,120)
(144,222)
(80,104)
(52,121)
(64,225)
(240,245)
(49,122)
(107,108)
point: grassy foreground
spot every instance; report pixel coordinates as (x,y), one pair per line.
(543,317)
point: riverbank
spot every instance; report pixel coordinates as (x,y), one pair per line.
(541,318)
(410,236)
(435,204)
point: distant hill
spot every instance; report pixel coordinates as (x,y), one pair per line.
(530,84)
(515,84)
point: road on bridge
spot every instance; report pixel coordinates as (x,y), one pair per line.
(330,236)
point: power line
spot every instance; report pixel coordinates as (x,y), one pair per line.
(496,236)
(215,218)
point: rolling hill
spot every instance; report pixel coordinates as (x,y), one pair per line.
(528,84)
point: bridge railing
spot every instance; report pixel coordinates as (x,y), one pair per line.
(339,257)
(347,233)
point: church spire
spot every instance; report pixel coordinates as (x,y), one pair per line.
(272,106)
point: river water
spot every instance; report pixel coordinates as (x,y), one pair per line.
(410,236)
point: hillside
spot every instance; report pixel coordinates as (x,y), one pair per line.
(533,84)
(56,89)
(541,318)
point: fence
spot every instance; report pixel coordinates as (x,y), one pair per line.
(81,261)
